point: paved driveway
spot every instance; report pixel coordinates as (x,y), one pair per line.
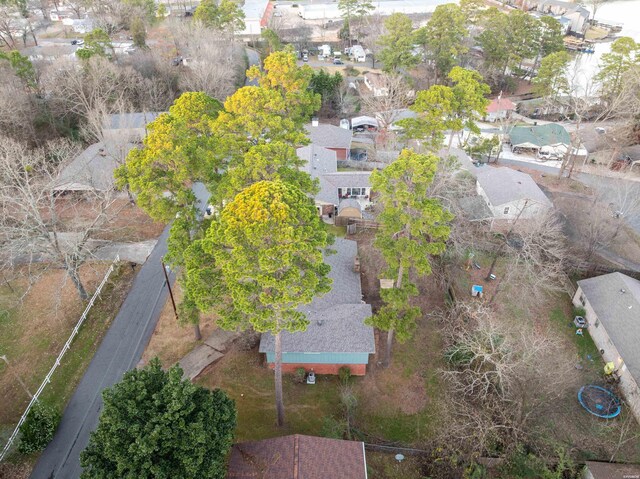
(120,351)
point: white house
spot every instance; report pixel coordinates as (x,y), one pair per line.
(358,54)
(499,109)
(612,305)
(256,15)
(509,193)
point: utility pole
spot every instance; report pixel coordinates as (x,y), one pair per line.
(166,277)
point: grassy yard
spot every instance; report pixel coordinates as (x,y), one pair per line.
(33,333)
(398,405)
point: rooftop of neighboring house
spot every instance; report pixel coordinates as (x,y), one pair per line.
(615,298)
(136,120)
(500,104)
(540,135)
(321,163)
(464,160)
(504,185)
(298,457)
(336,320)
(94,167)
(319,160)
(329,136)
(254,9)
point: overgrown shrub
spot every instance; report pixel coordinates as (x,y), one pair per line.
(300,375)
(579,311)
(38,428)
(344,373)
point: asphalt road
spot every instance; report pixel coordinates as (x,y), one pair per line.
(120,351)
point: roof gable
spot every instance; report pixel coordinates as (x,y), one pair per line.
(504,185)
(500,104)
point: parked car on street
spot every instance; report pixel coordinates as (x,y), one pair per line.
(337,61)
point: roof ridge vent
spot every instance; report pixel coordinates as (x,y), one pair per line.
(622,290)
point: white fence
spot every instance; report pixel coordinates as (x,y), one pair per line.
(66,347)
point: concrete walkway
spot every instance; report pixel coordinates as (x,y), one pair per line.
(133,252)
(213,348)
(120,351)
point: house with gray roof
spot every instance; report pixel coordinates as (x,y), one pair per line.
(93,168)
(510,194)
(131,127)
(612,305)
(336,335)
(335,186)
(331,137)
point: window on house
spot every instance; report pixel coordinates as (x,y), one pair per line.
(339,192)
(506,210)
(597,323)
(583,300)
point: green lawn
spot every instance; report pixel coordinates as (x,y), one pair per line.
(411,382)
(564,325)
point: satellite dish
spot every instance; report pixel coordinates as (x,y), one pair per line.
(399,457)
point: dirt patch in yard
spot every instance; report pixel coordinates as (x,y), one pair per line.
(171,340)
(127,222)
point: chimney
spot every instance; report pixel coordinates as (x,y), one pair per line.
(314,121)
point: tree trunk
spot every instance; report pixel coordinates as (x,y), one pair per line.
(73,274)
(196,331)
(387,357)
(387,354)
(450,142)
(278,381)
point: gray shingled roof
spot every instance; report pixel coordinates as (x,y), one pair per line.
(330,183)
(93,168)
(329,136)
(608,470)
(618,312)
(463,159)
(119,121)
(504,185)
(337,318)
(319,160)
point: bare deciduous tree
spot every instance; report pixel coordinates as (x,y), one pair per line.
(37,224)
(387,107)
(500,375)
(213,60)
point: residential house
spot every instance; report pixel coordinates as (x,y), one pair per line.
(298,457)
(610,470)
(93,168)
(612,304)
(336,335)
(511,194)
(499,109)
(539,137)
(131,127)
(335,187)
(575,13)
(256,16)
(331,137)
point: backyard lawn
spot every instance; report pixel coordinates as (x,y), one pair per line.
(395,405)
